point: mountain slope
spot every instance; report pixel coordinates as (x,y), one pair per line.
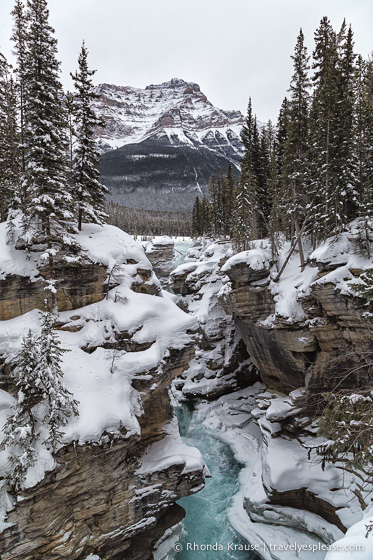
(162,144)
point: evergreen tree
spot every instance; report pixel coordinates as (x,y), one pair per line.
(346,165)
(20,434)
(216,190)
(196,218)
(19,39)
(258,165)
(247,131)
(244,213)
(324,131)
(364,148)
(229,193)
(9,142)
(89,193)
(59,404)
(49,215)
(295,162)
(38,379)
(70,107)
(282,194)
(275,222)
(205,212)
(282,135)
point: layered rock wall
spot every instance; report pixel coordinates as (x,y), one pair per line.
(331,340)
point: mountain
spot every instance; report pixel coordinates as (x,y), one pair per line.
(161,144)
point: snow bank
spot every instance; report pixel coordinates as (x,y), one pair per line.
(172,451)
(357,543)
(256,259)
(13,261)
(160,240)
(339,260)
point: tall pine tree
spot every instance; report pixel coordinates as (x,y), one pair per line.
(49,215)
(295,162)
(9,142)
(89,193)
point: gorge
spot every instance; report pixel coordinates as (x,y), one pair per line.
(113,485)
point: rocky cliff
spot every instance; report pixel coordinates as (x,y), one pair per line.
(222,363)
(111,488)
(161,144)
(305,333)
(161,253)
(321,339)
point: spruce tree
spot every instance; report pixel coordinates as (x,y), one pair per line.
(346,165)
(244,206)
(295,160)
(49,216)
(247,130)
(59,403)
(229,193)
(259,167)
(38,380)
(9,142)
(196,218)
(89,193)
(275,221)
(19,39)
(205,213)
(216,190)
(20,434)
(324,131)
(364,149)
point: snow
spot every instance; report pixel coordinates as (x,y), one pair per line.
(256,259)
(101,379)
(340,255)
(185,267)
(110,246)
(160,240)
(356,543)
(11,260)
(172,451)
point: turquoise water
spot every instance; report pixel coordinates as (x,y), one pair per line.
(206,521)
(181,248)
(206,512)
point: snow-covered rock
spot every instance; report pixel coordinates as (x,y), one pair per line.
(221,363)
(298,330)
(103,486)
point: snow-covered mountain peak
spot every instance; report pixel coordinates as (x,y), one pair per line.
(134,114)
(162,144)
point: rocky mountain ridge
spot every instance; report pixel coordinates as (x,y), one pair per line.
(161,144)
(176,107)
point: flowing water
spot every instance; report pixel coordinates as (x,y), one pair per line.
(206,521)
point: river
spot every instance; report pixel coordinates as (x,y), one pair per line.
(206,521)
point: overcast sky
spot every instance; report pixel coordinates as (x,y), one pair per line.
(233,49)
